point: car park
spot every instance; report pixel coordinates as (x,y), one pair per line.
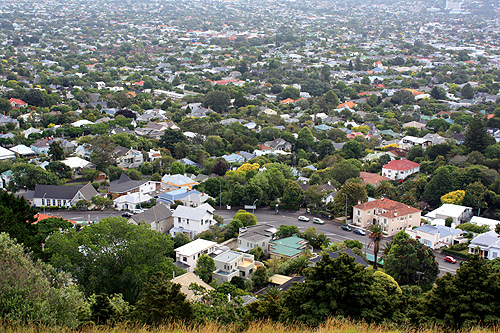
(346,227)
(318,220)
(303,218)
(359,232)
(450,259)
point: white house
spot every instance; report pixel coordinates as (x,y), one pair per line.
(131,201)
(458,213)
(128,158)
(255,236)
(77,164)
(435,237)
(230,264)
(192,220)
(6,154)
(400,169)
(487,245)
(187,255)
(62,196)
(484,221)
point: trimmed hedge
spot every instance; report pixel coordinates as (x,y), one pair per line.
(455,253)
(289,207)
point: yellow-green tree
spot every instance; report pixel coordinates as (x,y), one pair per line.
(455,197)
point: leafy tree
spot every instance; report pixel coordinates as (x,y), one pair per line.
(332,99)
(161,301)
(27,176)
(90,174)
(181,239)
(352,149)
(220,168)
(438,93)
(101,151)
(217,100)
(147,168)
(102,309)
(170,138)
(476,136)
(292,193)
(497,228)
(475,196)
(402,97)
(355,192)
(467,92)
(257,252)
(285,231)
(455,197)
(259,277)
(305,139)
(341,287)
(345,169)
(16,219)
(439,185)
(56,152)
(205,266)
(177,168)
(91,256)
(468,298)
(34,292)
(247,218)
(411,262)
(268,307)
(448,222)
(60,169)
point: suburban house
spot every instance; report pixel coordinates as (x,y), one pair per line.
(409,141)
(458,213)
(178,181)
(290,247)
(278,144)
(128,158)
(436,237)
(62,196)
(230,264)
(188,197)
(41,147)
(487,245)
(192,220)
(17,103)
(159,217)
(77,164)
(391,215)
(187,255)
(254,236)
(6,154)
(484,221)
(131,201)
(400,169)
(5,178)
(185,280)
(23,151)
(125,185)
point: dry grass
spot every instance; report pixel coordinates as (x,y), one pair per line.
(331,326)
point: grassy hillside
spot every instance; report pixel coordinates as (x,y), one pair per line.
(331,326)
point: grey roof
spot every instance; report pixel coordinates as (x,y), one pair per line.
(124,184)
(64,192)
(334,255)
(228,256)
(287,285)
(487,239)
(442,230)
(157,213)
(192,213)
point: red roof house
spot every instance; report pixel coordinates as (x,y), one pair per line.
(400,169)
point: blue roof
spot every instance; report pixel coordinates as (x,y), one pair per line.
(176,195)
(323,127)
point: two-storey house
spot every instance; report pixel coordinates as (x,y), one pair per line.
(230,264)
(192,220)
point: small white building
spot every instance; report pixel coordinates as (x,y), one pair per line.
(192,220)
(436,237)
(187,255)
(131,201)
(255,236)
(458,213)
(400,169)
(482,221)
(487,245)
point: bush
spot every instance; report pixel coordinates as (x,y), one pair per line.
(288,207)
(459,247)
(454,253)
(95,185)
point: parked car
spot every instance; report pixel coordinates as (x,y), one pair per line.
(303,218)
(359,232)
(127,214)
(450,259)
(318,220)
(346,227)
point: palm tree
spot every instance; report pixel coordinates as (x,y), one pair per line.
(376,235)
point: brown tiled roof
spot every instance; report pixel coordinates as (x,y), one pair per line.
(401,165)
(371,178)
(390,206)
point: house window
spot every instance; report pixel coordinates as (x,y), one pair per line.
(495,254)
(43,202)
(59,202)
(410,217)
(179,220)
(359,212)
(184,259)
(187,221)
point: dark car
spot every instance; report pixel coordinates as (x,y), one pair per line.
(450,259)
(346,227)
(127,214)
(359,232)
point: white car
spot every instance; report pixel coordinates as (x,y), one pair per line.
(318,220)
(303,218)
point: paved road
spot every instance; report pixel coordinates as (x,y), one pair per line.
(331,229)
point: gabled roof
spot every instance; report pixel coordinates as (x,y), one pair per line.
(191,212)
(186,280)
(64,192)
(157,213)
(335,255)
(124,184)
(392,208)
(401,165)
